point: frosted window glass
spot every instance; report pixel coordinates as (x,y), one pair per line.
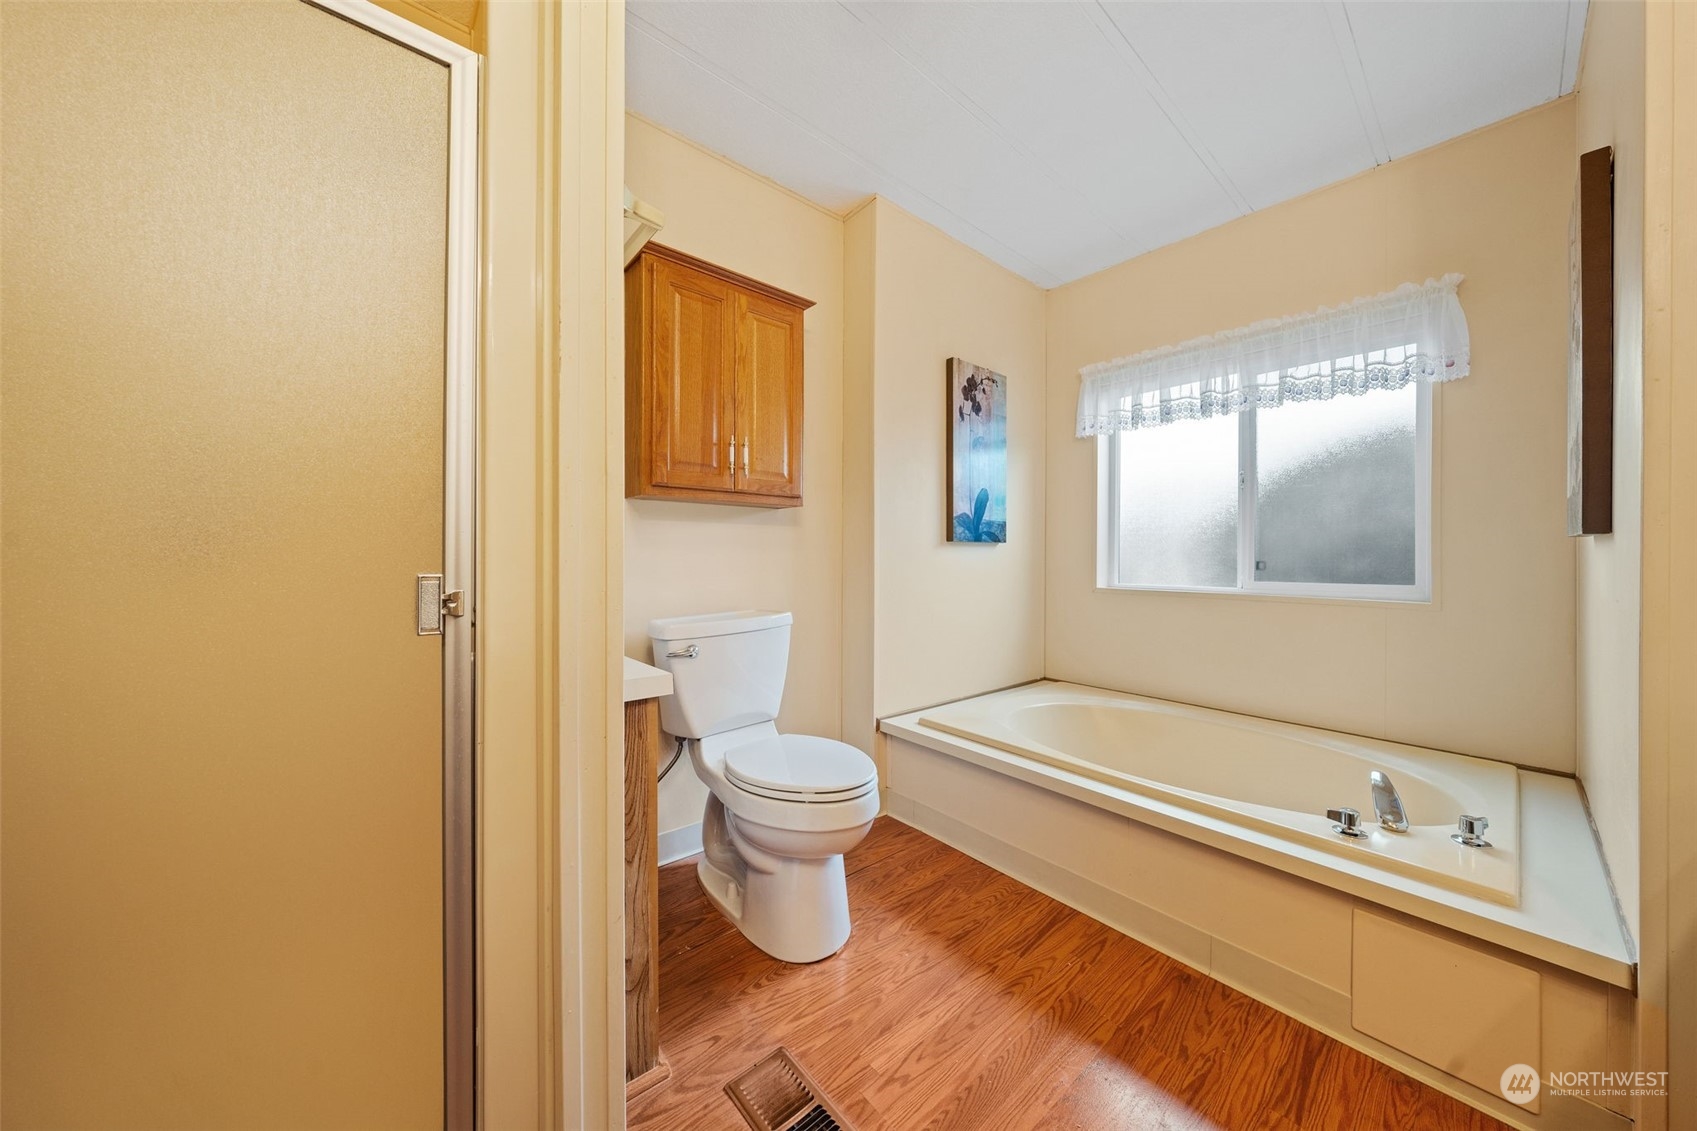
(1335,490)
(1178,504)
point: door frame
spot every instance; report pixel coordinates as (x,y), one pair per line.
(459,550)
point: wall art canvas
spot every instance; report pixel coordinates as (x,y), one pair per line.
(1590,365)
(978,453)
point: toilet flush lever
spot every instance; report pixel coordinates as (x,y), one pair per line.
(689,653)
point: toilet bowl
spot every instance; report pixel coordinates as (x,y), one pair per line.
(782,808)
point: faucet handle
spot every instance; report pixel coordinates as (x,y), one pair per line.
(1472,831)
(1348,822)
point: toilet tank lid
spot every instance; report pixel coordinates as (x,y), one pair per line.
(716,624)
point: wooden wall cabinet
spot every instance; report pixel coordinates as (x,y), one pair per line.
(713,384)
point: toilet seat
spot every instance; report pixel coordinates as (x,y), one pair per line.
(801,768)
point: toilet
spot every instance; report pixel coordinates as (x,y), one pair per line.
(782,808)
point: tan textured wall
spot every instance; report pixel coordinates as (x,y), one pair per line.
(683,558)
(1488,667)
(519,1084)
(582,407)
(860,580)
(1610,111)
(951,619)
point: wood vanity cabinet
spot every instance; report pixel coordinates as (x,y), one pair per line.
(713,384)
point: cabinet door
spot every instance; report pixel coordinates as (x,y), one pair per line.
(769,385)
(694,360)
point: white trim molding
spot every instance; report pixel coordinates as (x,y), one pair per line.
(680,844)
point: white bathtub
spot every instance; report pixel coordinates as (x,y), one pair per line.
(1276,777)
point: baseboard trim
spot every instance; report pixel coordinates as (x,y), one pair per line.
(648,1081)
(677,844)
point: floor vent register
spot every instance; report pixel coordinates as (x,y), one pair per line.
(777,1094)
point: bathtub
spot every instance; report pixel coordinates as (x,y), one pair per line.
(1278,778)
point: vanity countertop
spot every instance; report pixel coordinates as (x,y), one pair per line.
(645,681)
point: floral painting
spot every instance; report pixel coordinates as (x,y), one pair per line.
(978,453)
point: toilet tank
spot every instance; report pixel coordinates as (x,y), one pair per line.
(727,669)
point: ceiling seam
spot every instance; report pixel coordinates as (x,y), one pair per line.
(1355,73)
(1572,48)
(1121,43)
(1032,270)
(912,56)
(1566,31)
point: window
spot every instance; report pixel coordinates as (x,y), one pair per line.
(1327,498)
(1290,456)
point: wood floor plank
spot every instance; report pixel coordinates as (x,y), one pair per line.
(1235,1049)
(1029,1073)
(724,963)
(760,1002)
(1110,1094)
(1313,1074)
(965,1000)
(914,1089)
(1407,1104)
(883,957)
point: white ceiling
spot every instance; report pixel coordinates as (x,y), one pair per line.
(1059,138)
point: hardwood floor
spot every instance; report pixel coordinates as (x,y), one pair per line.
(966,1000)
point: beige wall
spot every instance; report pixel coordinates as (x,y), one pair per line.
(551,797)
(1667,983)
(1487,667)
(860,580)
(1610,111)
(683,558)
(949,620)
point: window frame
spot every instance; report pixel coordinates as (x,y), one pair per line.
(1107,523)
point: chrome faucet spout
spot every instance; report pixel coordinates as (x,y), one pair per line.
(1387,803)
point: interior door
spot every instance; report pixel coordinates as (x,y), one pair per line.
(222,405)
(694,342)
(769,390)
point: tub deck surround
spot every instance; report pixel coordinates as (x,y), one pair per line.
(1276,777)
(1565,914)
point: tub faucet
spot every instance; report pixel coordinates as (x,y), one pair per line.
(1387,803)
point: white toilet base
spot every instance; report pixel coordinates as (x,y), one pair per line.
(792,908)
(784,929)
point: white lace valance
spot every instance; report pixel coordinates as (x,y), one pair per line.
(1414,333)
